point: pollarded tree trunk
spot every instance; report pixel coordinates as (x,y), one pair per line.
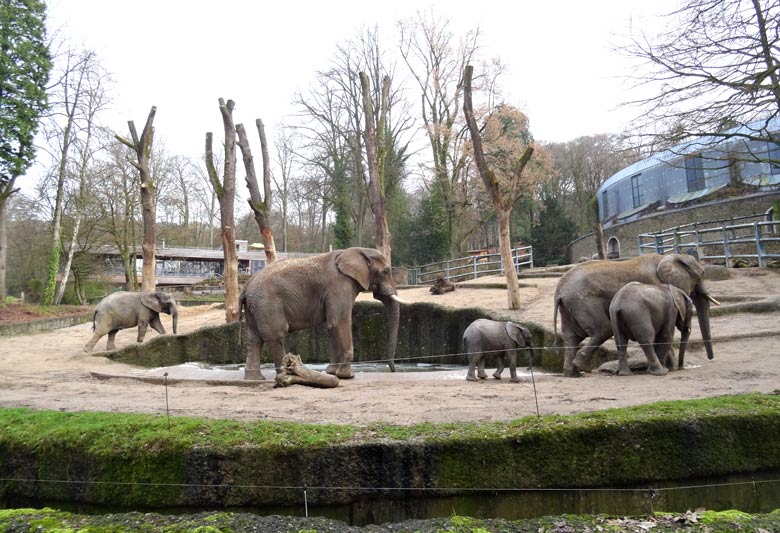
(142,146)
(261,207)
(374,139)
(226,193)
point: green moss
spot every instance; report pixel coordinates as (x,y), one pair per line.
(141,460)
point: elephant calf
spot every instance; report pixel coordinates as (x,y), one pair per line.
(504,338)
(648,314)
(121,310)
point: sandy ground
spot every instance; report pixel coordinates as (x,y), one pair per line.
(50,371)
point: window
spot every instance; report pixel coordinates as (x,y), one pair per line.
(773,154)
(636,190)
(694,173)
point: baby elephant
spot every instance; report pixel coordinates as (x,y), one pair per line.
(120,310)
(648,315)
(504,338)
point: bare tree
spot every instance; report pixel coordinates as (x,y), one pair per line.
(285,158)
(71,116)
(226,193)
(142,146)
(717,68)
(260,204)
(437,62)
(95,101)
(506,177)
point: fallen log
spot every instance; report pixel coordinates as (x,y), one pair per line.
(294,372)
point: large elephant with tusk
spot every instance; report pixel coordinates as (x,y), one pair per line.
(584,293)
(296,294)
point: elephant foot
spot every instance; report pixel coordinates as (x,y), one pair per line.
(341,371)
(657,371)
(571,372)
(497,374)
(254,375)
(471,378)
(624,371)
(515,379)
(580,364)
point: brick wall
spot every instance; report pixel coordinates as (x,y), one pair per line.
(627,232)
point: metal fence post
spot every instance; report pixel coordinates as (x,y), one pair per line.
(726,245)
(759,244)
(474,265)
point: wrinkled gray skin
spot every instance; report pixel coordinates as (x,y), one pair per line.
(121,310)
(649,314)
(504,338)
(584,293)
(296,294)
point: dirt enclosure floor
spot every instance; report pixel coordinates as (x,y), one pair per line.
(50,371)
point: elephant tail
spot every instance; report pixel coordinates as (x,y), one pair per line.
(529,345)
(94,317)
(241,306)
(555,319)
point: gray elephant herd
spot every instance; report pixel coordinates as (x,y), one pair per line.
(642,299)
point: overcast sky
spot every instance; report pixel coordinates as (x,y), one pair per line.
(182,55)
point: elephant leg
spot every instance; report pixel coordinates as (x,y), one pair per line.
(571,342)
(254,346)
(111,345)
(512,355)
(340,345)
(276,347)
(473,360)
(653,364)
(621,342)
(94,340)
(499,365)
(481,374)
(582,359)
(157,325)
(142,327)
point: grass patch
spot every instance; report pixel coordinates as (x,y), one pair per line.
(111,432)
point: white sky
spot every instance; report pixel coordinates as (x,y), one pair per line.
(182,55)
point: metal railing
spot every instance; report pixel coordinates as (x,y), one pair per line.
(759,240)
(471,267)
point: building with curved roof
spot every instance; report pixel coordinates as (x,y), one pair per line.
(691,171)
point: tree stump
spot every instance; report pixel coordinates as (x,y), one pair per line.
(441,285)
(294,372)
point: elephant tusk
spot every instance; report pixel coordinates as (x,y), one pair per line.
(713,300)
(398,300)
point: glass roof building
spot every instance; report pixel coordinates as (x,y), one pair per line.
(690,171)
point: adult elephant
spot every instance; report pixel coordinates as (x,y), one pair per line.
(296,294)
(584,293)
(122,309)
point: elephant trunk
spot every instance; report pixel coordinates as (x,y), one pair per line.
(393,317)
(175,317)
(686,332)
(702,302)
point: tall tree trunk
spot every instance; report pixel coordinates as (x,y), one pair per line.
(143,149)
(69,262)
(382,236)
(598,229)
(261,207)
(3,249)
(226,193)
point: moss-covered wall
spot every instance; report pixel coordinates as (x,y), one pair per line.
(148,464)
(427,333)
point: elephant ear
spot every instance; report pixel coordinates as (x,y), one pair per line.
(353,263)
(515,333)
(150,300)
(684,305)
(681,271)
